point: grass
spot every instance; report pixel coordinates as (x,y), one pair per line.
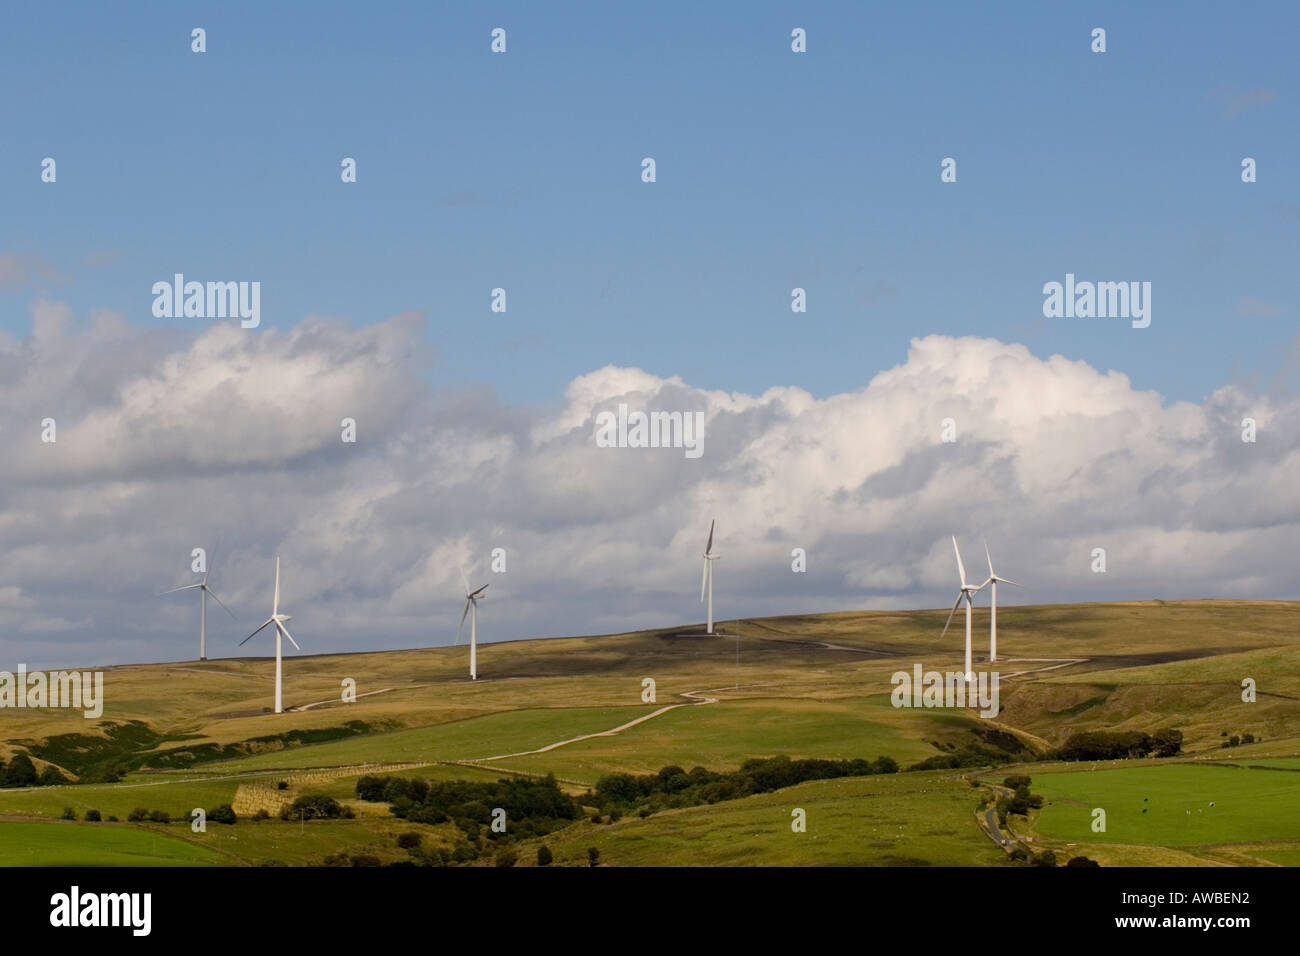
(509,732)
(722,736)
(923,819)
(1249,805)
(96,844)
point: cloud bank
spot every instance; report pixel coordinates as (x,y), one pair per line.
(229,440)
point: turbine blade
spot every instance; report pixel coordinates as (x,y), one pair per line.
(269,620)
(704,578)
(275,603)
(188,587)
(464,580)
(961,568)
(951,613)
(480,591)
(1008,581)
(223,604)
(463,615)
(709,547)
(990,560)
(285,631)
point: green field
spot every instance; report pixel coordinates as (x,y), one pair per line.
(71,844)
(924,819)
(1249,805)
(493,735)
(722,736)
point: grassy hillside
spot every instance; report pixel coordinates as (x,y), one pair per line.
(197,734)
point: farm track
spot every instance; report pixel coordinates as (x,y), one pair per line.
(697,698)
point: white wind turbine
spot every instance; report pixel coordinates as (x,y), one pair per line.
(706,582)
(278,620)
(471,608)
(992,584)
(204,591)
(967,592)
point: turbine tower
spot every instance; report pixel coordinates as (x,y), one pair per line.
(278,620)
(966,593)
(992,584)
(204,591)
(471,608)
(706,582)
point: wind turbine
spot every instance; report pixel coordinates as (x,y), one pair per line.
(471,608)
(204,591)
(992,584)
(967,592)
(706,582)
(278,620)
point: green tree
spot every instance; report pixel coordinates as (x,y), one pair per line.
(92,816)
(21,772)
(593,856)
(222,814)
(544,855)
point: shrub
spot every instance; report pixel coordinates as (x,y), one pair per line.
(138,815)
(21,772)
(261,815)
(92,816)
(222,814)
(593,856)
(69,813)
(160,816)
(51,777)
(544,855)
(1046,858)
(1082,861)
(312,806)
(464,853)
(409,840)
(1167,742)
(506,857)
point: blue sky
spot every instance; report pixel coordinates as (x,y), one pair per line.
(775,170)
